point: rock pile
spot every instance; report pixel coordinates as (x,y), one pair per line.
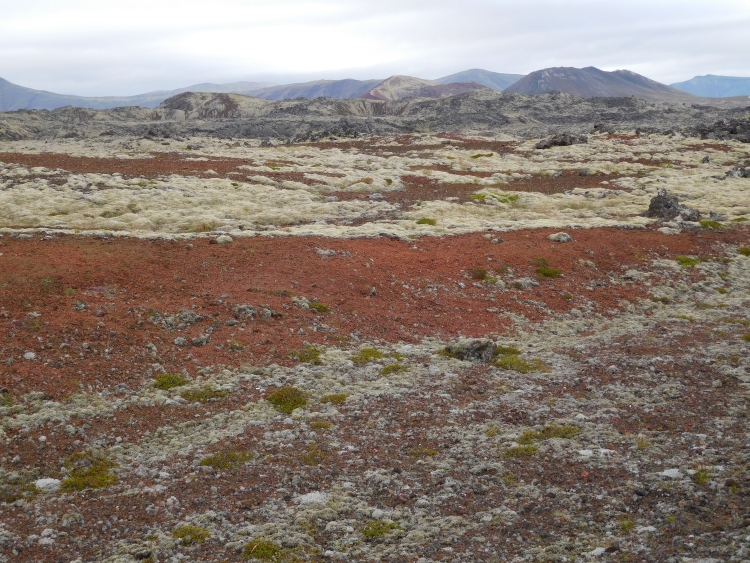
(726,130)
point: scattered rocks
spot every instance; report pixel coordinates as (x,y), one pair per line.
(664,206)
(738,172)
(47,485)
(180,341)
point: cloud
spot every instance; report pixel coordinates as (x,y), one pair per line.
(97,48)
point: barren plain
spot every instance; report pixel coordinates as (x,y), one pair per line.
(414,348)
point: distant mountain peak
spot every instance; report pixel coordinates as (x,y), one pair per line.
(400,87)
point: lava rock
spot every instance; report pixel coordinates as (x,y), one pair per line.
(664,206)
(562,140)
(738,172)
(560,237)
(479,349)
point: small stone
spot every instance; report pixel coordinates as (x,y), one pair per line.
(48,485)
(180,341)
(671,473)
(223,239)
(232,322)
(482,349)
(377,514)
(717,383)
(560,237)
(29,356)
(497,240)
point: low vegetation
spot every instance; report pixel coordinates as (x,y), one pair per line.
(286,399)
(379,528)
(203,395)
(167,381)
(308,355)
(227,460)
(190,534)
(88,470)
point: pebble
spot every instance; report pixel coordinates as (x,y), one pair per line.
(377,514)
(671,473)
(29,356)
(180,341)
(223,239)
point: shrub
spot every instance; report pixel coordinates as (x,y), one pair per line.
(541,262)
(319,307)
(286,399)
(687,261)
(261,549)
(203,395)
(88,470)
(744,250)
(392,368)
(426,221)
(710,224)
(479,273)
(190,534)
(226,460)
(308,355)
(167,381)
(367,355)
(379,528)
(335,398)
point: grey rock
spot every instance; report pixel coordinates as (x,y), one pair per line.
(562,140)
(223,239)
(479,349)
(180,341)
(29,356)
(664,206)
(201,340)
(560,237)
(80,306)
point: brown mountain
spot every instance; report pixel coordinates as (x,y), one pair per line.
(402,87)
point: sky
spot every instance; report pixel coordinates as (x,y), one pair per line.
(124,48)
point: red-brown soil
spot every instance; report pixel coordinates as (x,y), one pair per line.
(408,291)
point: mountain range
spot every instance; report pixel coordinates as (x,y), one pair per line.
(585,82)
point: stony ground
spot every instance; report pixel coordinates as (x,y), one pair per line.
(300,398)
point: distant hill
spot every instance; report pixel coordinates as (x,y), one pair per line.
(590,82)
(340,89)
(712,86)
(402,87)
(494,80)
(15,97)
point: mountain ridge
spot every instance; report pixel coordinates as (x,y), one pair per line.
(713,86)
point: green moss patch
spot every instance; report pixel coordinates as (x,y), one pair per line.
(203,395)
(167,381)
(392,368)
(226,460)
(687,261)
(190,534)
(426,221)
(523,450)
(308,355)
(262,550)
(709,224)
(287,399)
(319,307)
(380,528)
(88,470)
(334,398)
(744,250)
(367,355)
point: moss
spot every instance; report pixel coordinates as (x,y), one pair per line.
(626,525)
(480,155)
(389,181)
(421,452)
(335,398)
(541,262)
(744,250)
(263,550)
(641,442)
(167,381)
(286,399)
(88,470)
(308,355)
(319,307)
(6,400)
(548,272)
(709,224)
(702,477)
(478,197)
(69,291)
(687,261)
(321,425)
(722,290)
(507,351)
(313,455)
(519,365)
(566,431)
(367,355)
(746,337)
(379,528)
(203,395)
(480,273)
(392,368)
(740,220)
(190,534)
(522,450)
(226,460)
(426,221)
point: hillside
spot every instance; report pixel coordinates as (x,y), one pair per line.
(339,89)
(402,87)
(495,80)
(711,86)
(14,97)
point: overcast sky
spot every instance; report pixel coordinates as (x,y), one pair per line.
(120,48)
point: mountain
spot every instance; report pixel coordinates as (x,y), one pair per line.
(339,89)
(590,82)
(494,80)
(712,86)
(402,87)
(15,97)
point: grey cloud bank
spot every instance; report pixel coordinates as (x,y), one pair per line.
(93,49)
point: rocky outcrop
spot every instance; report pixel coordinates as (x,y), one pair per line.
(562,140)
(664,206)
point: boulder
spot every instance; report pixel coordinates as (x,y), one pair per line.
(562,140)
(477,349)
(560,237)
(664,206)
